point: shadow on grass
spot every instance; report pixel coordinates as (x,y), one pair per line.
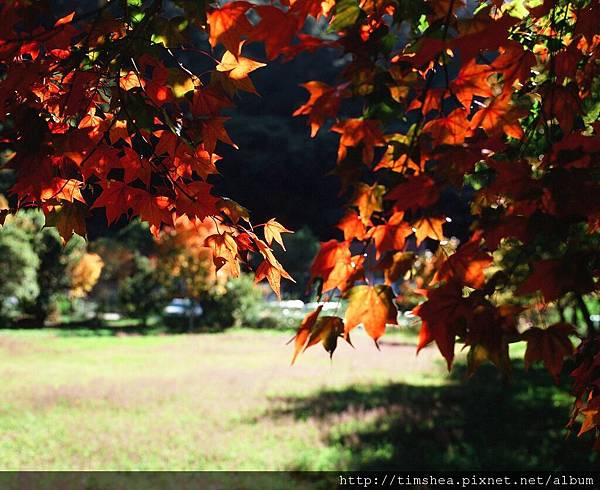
(479,423)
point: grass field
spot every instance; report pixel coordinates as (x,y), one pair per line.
(231,401)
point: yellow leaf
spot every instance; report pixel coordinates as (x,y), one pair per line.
(368,199)
(234,210)
(237,69)
(273,231)
(225,252)
(429,227)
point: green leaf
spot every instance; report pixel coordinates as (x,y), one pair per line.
(347,13)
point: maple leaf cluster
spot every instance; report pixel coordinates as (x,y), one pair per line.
(100,111)
(495,102)
(484,102)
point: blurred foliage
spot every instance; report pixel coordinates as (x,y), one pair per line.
(141,276)
(85,274)
(35,265)
(184,264)
(19,264)
(141,294)
(236,303)
(301,248)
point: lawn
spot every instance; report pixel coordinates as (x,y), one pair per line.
(231,401)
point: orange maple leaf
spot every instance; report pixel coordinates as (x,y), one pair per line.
(326,330)
(63,189)
(431,100)
(499,116)
(273,275)
(130,80)
(368,199)
(303,332)
(270,268)
(329,254)
(373,306)
(344,274)
(229,24)
(450,130)
(356,131)
(428,227)
(352,226)
(225,252)
(391,235)
(471,81)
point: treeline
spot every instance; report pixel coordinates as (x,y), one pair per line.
(131,273)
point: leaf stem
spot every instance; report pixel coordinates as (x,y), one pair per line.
(586,314)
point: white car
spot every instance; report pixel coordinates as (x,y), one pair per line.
(183,307)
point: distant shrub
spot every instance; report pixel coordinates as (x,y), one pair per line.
(34,263)
(269,322)
(236,303)
(141,294)
(19,263)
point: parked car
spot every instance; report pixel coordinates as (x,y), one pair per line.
(183,307)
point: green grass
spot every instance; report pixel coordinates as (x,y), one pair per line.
(231,401)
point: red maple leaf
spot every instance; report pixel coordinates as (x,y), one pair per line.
(356,131)
(117,198)
(465,266)
(155,210)
(471,81)
(440,315)
(550,345)
(276,29)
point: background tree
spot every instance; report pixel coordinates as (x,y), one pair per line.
(19,265)
(186,270)
(141,293)
(37,264)
(85,274)
(55,260)
(300,250)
